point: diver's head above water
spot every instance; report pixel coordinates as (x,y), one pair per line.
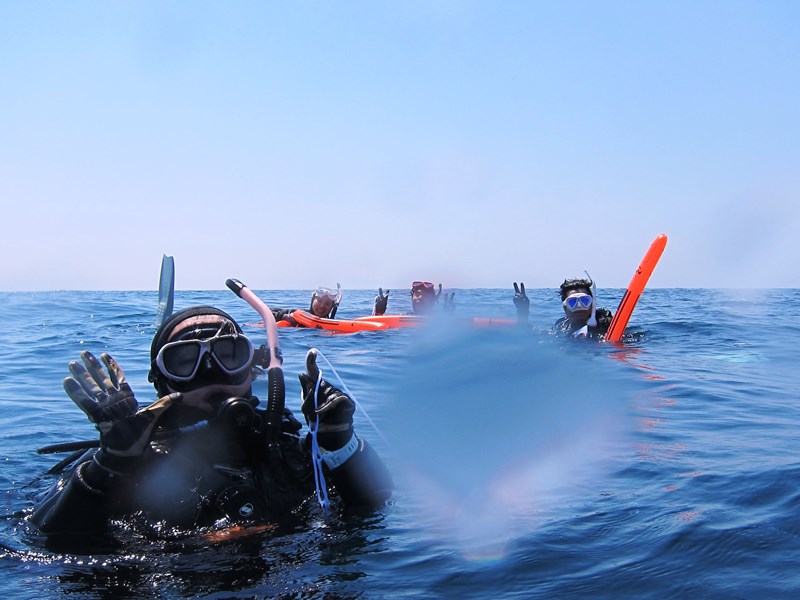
(202,353)
(324,301)
(423,296)
(577,300)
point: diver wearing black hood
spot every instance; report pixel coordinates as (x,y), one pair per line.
(582,318)
(204,454)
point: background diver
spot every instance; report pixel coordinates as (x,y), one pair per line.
(423,299)
(581,316)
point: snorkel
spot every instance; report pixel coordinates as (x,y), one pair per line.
(276,390)
(339,296)
(592,322)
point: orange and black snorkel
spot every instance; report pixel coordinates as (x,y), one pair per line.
(276,389)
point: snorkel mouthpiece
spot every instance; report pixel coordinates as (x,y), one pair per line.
(239,414)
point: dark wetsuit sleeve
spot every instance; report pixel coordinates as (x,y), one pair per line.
(363,480)
(280,313)
(284,314)
(77,503)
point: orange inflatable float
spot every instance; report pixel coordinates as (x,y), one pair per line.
(338,325)
(635,288)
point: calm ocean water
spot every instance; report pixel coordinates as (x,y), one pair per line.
(526,466)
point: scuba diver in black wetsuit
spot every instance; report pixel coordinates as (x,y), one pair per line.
(423,299)
(324,304)
(204,454)
(581,317)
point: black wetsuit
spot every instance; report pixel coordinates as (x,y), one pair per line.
(282,313)
(207,475)
(566,327)
(285,314)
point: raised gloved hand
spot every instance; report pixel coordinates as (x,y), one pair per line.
(108,401)
(521,301)
(450,302)
(333,407)
(381,301)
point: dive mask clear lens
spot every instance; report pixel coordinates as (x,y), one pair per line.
(181,360)
(575,302)
(326,293)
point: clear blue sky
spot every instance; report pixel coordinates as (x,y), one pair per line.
(292,144)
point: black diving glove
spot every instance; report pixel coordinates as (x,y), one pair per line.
(108,401)
(334,408)
(522,302)
(450,302)
(381,300)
